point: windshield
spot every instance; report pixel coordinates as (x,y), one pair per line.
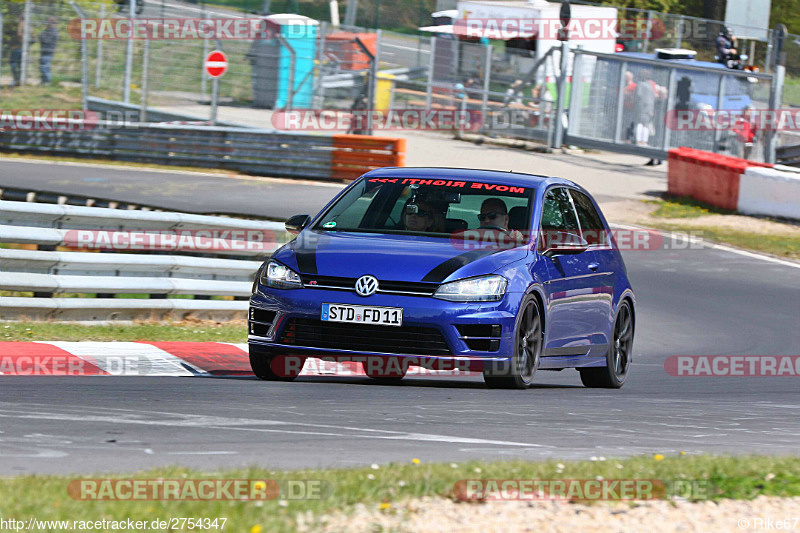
(431,207)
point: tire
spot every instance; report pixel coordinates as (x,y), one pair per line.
(528,346)
(261,363)
(618,357)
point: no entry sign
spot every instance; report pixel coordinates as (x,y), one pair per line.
(216,64)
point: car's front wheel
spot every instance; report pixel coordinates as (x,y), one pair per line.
(272,367)
(618,357)
(528,345)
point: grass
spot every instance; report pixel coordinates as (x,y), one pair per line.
(684,207)
(382,488)
(676,214)
(187,330)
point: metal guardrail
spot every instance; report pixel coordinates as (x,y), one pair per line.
(81,272)
(253,151)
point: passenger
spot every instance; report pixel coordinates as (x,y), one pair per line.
(422,216)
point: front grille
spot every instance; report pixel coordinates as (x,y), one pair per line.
(481,337)
(407,288)
(412,340)
(260,321)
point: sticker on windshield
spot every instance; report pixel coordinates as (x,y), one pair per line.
(452,183)
(330,224)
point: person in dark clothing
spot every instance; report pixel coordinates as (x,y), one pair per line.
(15,45)
(726,46)
(48,40)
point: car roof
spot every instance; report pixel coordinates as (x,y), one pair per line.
(691,62)
(470,174)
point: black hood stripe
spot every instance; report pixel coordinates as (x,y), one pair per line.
(306,255)
(441,271)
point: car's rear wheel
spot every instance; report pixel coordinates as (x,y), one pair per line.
(528,344)
(272,367)
(619,356)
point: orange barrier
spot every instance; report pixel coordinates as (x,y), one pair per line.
(343,46)
(354,155)
(706,176)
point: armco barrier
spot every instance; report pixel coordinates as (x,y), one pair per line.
(128,269)
(253,151)
(770,191)
(705,176)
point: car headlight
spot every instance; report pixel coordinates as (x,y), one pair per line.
(483,289)
(280,277)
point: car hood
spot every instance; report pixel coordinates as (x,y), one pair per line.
(391,257)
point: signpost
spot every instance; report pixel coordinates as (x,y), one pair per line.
(216,64)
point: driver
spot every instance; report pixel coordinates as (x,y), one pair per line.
(493,213)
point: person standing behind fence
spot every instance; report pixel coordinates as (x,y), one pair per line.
(644,108)
(48,40)
(15,46)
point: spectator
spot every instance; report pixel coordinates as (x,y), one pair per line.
(628,99)
(644,108)
(15,45)
(726,46)
(48,40)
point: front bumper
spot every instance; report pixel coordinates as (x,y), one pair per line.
(449,319)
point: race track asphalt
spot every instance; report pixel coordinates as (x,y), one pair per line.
(689,302)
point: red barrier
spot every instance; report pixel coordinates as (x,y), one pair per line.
(706,176)
(354,155)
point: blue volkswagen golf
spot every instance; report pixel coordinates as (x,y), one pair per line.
(511,273)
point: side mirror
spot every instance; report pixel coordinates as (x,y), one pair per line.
(296,223)
(562,243)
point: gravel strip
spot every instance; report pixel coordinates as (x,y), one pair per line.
(443,515)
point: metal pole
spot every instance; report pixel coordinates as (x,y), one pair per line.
(1,40)
(317,97)
(84,74)
(671,89)
(487,68)
(620,101)
(292,63)
(428,95)
(99,70)
(775,102)
(679,32)
(647,33)
(720,99)
(562,95)
(145,66)
(204,75)
(214,98)
(126,90)
(26,36)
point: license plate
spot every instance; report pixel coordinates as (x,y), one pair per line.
(362,314)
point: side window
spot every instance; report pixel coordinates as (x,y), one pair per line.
(591,224)
(557,211)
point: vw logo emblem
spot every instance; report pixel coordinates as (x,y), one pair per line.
(366,285)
